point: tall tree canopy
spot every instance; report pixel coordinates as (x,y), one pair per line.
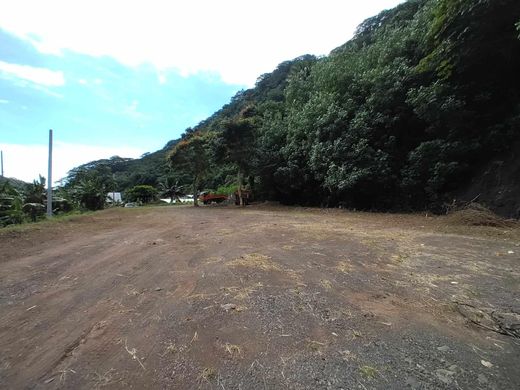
(191,155)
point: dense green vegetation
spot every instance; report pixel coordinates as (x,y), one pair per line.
(141,193)
(400,117)
(23,202)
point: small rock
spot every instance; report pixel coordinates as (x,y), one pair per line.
(228,306)
(486,364)
(444,348)
(510,252)
(158,288)
(482,379)
(412,383)
(445,376)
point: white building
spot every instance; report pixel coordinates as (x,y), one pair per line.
(114,197)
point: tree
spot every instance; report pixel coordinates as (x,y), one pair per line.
(236,145)
(11,204)
(141,193)
(170,188)
(90,192)
(191,156)
(35,192)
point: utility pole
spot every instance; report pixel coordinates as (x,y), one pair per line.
(49,178)
(2,161)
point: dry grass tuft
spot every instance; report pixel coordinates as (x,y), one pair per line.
(368,372)
(255,260)
(201,296)
(108,378)
(241,293)
(326,284)
(213,260)
(297,276)
(315,346)
(356,334)
(233,350)
(208,374)
(343,267)
(171,348)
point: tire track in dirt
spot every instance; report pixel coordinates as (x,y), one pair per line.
(138,298)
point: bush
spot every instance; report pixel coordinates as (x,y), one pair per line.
(10,210)
(141,193)
(227,189)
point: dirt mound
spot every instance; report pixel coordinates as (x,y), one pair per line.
(474,214)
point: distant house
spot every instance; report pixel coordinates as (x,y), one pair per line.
(181,199)
(114,197)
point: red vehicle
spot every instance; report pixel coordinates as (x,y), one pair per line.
(208,197)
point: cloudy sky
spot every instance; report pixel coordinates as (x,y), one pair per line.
(125,77)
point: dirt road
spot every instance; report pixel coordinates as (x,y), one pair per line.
(259,298)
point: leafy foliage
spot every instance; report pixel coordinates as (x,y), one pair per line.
(90,191)
(400,116)
(11,203)
(191,155)
(235,145)
(141,193)
(21,202)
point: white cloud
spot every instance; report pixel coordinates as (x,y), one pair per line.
(26,162)
(132,110)
(238,40)
(4,101)
(161,77)
(39,76)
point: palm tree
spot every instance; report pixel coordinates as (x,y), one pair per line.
(35,192)
(170,189)
(91,193)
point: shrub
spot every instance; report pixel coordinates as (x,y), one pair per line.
(141,193)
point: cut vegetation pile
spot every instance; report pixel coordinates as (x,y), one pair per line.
(474,214)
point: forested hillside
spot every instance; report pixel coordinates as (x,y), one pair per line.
(406,115)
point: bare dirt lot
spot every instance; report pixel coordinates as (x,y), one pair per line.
(258,298)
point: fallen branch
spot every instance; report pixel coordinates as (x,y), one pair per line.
(133,353)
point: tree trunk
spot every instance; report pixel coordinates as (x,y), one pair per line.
(240,181)
(196,193)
